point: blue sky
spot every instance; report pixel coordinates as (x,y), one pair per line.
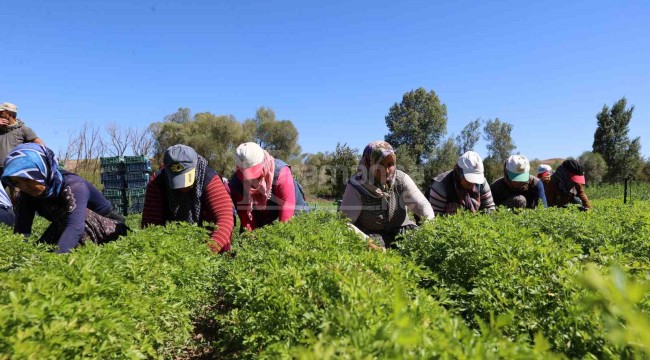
(334,67)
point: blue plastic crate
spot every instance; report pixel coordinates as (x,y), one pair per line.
(135,192)
(112,168)
(141,167)
(138,175)
(112,176)
(112,193)
(111,160)
(113,184)
(131,184)
(117,202)
(135,208)
(136,159)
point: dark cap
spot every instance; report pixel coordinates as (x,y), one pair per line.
(576,171)
(180,163)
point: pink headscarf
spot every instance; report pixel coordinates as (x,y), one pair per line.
(254,163)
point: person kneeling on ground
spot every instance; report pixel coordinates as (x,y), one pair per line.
(187,189)
(464,187)
(517,188)
(377,197)
(566,184)
(263,188)
(78,212)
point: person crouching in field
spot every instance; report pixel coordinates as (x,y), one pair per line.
(263,188)
(544,172)
(517,188)
(566,184)
(78,212)
(377,197)
(463,187)
(187,189)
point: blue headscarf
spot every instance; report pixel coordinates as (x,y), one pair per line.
(35,162)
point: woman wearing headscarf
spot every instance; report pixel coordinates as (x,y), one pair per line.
(566,184)
(463,187)
(188,190)
(517,188)
(378,196)
(263,188)
(78,212)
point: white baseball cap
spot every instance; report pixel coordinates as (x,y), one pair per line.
(250,160)
(518,168)
(9,107)
(472,166)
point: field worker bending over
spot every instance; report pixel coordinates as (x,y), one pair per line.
(517,188)
(6,209)
(463,187)
(78,212)
(378,196)
(187,189)
(263,188)
(566,184)
(544,172)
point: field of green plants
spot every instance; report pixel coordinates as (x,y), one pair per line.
(550,283)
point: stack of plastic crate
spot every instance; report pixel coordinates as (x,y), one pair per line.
(136,177)
(112,169)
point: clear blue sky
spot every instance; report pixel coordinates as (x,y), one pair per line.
(334,68)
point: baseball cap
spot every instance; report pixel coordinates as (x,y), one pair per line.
(180,163)
(576,171)
(518,168)
(9,107)
(472,166)
(250,160)
(543,168)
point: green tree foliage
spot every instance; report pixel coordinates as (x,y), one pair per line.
(278,137)
(444,159)
(418,123)
(315,177)
(499,146)
(343,163)
(182,115)
(406,162)
(469,136)
(611,140)
(595,167)
(215,137)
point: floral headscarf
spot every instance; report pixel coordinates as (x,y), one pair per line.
(370,160)
(35,162)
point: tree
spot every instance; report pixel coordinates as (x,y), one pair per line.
(595,167)
(417,123)
(118,140)
(622,155)
(141,141)
(497,134)
(278,137)
(343,164)
(444,158)
(469,136)
(182,115)
(316,179)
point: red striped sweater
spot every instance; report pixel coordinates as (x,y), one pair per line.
(217,209)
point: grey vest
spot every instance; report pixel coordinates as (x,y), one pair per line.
(381,215)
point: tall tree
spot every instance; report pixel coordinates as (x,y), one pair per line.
(497,134)
(469,136)
(499,146)
(444,158)
(418,123)
(611,140)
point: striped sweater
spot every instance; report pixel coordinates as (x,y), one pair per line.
(444,200)
(216,207)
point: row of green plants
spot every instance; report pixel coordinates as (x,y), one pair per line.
(531,284)
(134,298)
